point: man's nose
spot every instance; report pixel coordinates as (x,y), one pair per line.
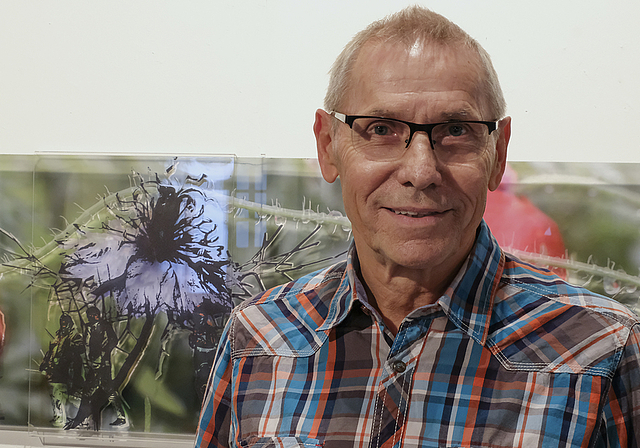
(419,165)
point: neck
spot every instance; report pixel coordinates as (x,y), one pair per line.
(396,291)
(397,296)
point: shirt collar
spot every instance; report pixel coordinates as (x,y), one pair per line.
(467,302)
(348,291)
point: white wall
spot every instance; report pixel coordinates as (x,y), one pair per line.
(245,76)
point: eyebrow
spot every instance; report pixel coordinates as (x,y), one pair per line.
(459,115)
(383,113)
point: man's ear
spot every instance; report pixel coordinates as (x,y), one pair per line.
(322,128)
(500,163)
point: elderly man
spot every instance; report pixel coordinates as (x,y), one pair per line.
(428,334)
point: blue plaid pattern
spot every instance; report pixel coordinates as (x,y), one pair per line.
(510,356)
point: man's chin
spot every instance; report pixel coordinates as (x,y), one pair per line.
(424,254)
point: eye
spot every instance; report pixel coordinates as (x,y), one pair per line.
(456,130)
(381,129)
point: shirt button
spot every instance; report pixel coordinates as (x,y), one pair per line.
(399,366)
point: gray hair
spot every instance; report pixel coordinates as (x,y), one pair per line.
(410,25)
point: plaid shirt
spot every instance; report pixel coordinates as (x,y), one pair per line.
(509,356)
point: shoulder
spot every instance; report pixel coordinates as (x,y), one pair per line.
(284,320)
(542,285)
(541,322)
(315,281)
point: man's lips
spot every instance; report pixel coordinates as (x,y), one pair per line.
(413,213)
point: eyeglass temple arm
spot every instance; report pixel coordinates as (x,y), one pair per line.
(341,117)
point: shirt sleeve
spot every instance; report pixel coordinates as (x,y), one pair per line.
(622,411)
(215,416)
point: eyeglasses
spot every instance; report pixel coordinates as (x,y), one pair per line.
(386,139)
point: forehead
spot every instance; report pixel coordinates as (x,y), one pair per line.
(421,79)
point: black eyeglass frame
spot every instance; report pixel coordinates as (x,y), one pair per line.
(413,127)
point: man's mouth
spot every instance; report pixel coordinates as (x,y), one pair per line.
(415,214)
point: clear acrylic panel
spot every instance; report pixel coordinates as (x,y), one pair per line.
(117,274)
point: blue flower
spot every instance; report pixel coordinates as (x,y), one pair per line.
(160,247)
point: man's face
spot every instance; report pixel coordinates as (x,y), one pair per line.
(413,212)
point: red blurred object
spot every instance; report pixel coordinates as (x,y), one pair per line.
(518,224)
